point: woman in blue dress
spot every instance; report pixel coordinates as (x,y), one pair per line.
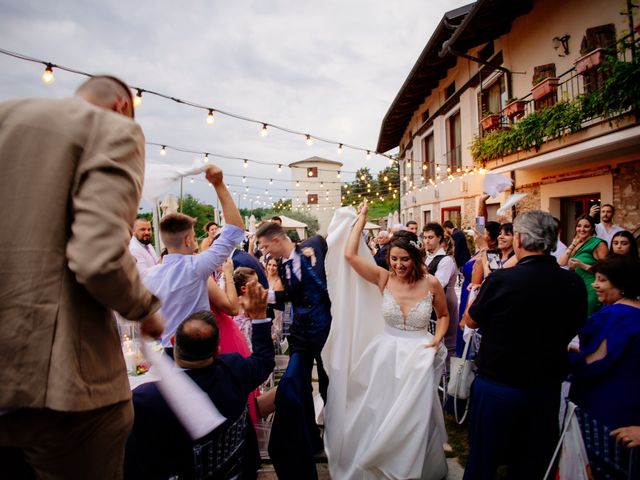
(605,381)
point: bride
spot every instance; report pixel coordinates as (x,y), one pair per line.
(383,417)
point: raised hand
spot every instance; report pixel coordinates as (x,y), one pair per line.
(254,301)
(214,175)
(363,208)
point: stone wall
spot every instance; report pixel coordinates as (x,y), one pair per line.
(468,213)
(626,195)
(531,201)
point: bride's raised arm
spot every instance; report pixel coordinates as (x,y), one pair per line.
(366,269)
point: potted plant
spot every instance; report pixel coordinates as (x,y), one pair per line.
(590,61)
(490,121)
(544,87)
(514,108)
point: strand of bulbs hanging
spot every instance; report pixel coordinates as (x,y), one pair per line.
(48,77)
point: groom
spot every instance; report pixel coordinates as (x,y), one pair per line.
(295,436)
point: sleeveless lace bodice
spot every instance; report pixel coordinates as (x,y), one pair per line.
(417,318)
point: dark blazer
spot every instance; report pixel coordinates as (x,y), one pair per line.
(381,257)
(240,258)
(309,297)
(158,445)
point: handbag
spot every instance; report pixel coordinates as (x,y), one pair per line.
(462,374)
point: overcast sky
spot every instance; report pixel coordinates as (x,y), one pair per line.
(329,68)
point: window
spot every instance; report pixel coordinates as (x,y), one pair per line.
(541,72)
(492,99)
(428,159)
(425,115)
(312,172)
(426,217)
(453,214)
(450,90)
(602,36)
(454,142)
(312,199)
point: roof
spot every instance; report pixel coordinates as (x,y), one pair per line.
(460,29)
(315,160)
(287,222)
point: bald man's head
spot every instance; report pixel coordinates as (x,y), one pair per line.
(107,92)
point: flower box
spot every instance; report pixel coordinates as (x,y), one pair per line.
(490,122)
(544,89)
(514,109)
(590,61)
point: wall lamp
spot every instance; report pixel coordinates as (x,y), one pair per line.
(562,41)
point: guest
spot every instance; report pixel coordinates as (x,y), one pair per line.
(623,243)
(606,229)
(503,255)
(412,226)
(181,280)
(159,447)
(515,397)
(275,284)
(583,252)
(277,220)
(241,277)
(140,246)
(629,436)
(486,241)
(605,381)
(461,249)
(382,240)
(443,267)
(211,230)
(64,394)
(560,247)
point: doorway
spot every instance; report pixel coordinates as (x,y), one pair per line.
(571,208)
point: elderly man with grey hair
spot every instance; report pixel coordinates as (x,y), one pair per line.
(527,315)
(382,240)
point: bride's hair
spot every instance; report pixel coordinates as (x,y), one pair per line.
(409,241)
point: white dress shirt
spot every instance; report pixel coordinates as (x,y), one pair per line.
(145,255)
(180,281)
(607,236)
(446,267)
(295,266)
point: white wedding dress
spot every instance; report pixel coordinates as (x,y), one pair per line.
(383,418)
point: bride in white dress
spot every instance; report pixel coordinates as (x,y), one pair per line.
(383,417)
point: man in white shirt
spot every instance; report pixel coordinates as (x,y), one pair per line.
(444,268)
(180,281)
(606,229)
(140,246)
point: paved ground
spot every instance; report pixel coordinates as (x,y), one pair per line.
(267,472)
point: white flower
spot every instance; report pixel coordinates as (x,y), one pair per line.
(310,253)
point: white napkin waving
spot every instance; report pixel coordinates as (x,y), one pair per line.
(193,408)
(511,201)
(493,184)
(159,176)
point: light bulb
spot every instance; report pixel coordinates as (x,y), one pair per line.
(246,189)
(321,184)
(279,168)
(206,158)
(368,155)
(340,149)
(47,75)
(245,164)
(437,168)
(297,184)
(310,173)
(244,179)
(210,118)
(191,180)
(263,131)
(391,162)
(338,174)
(137,100)
(270,181)
(309,140)
(163,150)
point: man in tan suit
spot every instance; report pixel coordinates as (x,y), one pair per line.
(72,168)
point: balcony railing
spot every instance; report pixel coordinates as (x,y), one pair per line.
(572,102)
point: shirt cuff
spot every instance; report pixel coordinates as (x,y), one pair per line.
(259,321)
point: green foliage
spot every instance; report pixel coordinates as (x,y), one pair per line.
(304,217)
(620,92)
(201,211)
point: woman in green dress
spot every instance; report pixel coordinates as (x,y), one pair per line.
(583,252)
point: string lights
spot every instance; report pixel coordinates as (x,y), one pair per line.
(49,66)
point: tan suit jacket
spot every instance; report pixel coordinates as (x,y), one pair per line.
(70,182)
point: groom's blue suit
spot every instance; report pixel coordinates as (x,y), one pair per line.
(295,437)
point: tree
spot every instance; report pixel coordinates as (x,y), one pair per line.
(202,212)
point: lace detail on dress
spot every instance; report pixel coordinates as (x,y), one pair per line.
(417,318)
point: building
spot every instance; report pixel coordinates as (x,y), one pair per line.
(481,57)
(315,188)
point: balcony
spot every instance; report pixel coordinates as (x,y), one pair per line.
(571,103)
